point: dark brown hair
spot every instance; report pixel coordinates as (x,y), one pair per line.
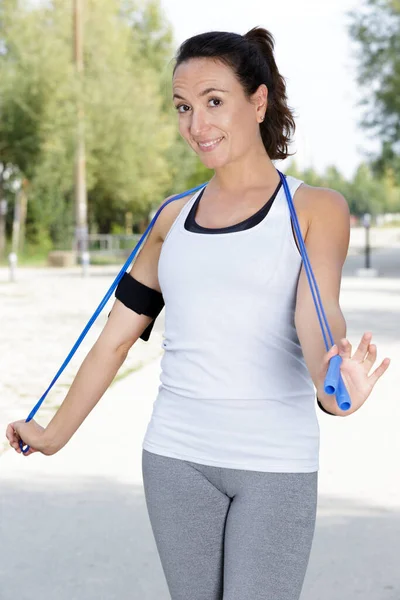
(251,57)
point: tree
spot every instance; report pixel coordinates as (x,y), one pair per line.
(376,30)
(130,135)
(366,192)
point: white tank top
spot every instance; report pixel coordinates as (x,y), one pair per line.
(235,390)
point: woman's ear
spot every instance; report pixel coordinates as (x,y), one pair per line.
(260,100)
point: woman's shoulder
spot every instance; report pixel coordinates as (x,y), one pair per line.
(320,206)
(170,212)
(321,200)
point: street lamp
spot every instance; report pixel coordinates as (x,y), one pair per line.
(367,271)
(366,221)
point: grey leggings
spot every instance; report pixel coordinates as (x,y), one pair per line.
(230,534)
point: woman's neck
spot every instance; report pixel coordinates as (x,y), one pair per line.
(244,174)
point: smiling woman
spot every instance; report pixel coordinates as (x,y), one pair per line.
(231,452)
(230,456)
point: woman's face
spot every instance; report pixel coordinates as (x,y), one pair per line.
(215,117)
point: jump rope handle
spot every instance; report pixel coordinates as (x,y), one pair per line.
(333,383)
(24,447)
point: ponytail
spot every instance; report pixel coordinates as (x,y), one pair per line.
(278,126)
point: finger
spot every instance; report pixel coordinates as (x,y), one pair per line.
(359,354)
(11,430)
(345,348)
(331,352)
(18,437)
(12,437)
(371,358)
(10,433)
(379,371)
(17,446)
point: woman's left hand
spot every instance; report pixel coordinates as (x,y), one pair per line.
(354,370)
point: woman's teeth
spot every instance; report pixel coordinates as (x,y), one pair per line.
(210,145)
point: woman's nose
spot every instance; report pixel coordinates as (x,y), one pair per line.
(199,123)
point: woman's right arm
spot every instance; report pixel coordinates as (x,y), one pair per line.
(122,330)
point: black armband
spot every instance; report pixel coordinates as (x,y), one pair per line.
(140,298)
(324,409)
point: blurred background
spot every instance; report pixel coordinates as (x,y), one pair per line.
(88,132)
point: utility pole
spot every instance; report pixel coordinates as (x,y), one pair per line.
(19,221)
(3,214)
(81,228)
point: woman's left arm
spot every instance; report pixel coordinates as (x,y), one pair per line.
(327,242)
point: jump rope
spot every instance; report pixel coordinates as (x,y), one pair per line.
(333,383)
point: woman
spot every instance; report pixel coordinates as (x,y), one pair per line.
(230,456)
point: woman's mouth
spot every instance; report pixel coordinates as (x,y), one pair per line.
(209,146)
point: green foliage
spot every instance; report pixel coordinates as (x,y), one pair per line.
(376,30)
(365,192)
(130,135)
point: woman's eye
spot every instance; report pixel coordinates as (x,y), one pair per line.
(180,106)
(216,100)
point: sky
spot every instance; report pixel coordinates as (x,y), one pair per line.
(314,53)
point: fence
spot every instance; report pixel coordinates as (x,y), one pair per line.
(110,245)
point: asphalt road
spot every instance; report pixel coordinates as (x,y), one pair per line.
(385,260)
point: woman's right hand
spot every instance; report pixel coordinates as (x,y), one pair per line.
(31,434)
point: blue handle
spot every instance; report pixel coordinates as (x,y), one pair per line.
(332,377)
(24,447)
(334,384)
(342,396)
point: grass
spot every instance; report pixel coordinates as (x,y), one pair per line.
(103,260)
(391,224)
(34,257)
(38,258)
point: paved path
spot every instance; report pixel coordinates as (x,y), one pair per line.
(74,526)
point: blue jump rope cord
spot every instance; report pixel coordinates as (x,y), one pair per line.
(306,262)
(330,389)
(333,383)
